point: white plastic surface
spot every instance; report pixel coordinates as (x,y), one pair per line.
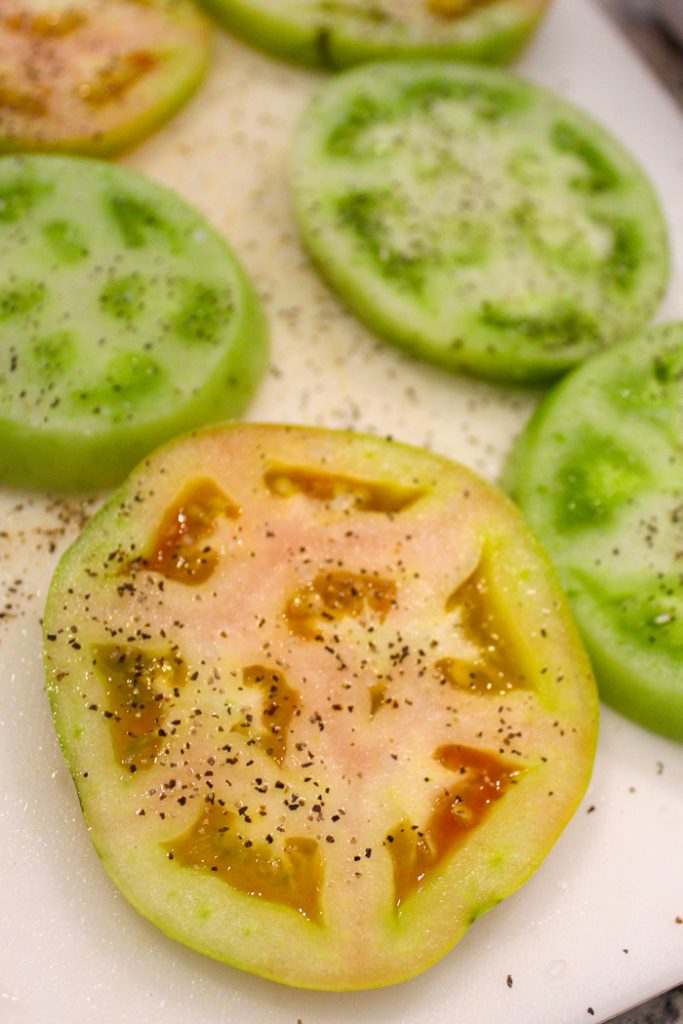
(598,928)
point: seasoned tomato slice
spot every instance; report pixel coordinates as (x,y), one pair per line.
(599,473)
(343,32)
(321,698)
(475,219)
(95,76)
(125,319)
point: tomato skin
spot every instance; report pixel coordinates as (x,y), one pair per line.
(596,471)
(291,497)
(323,40)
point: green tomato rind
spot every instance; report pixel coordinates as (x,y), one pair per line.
(131,321)
(476,220)
(365,936)
(597,473)
(319,34)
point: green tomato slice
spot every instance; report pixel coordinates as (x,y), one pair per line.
(95,77)
(124,319)
(321,697)
(475,219)
(338,33)
(599,474)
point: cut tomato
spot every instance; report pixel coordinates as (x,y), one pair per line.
(476,219)
(125,319)
(343,32)
(599,473)
(321,698)
(95,77)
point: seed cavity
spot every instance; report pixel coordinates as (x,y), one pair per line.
(596,476)
(52,24)
(116,77)
(21,299)
(416,851)
(137,219)
(180,551)
(123,297)
(486,102)
(280,702)
(29,103)
(363,495)
(66,241)
(138,684)
(53,354)
(599,175)
(129,378)
(19,196)
(378,695)
(451,9)
(495,669)
(332,596)
(204,313)
(563,325)
(626,253)
(219,843)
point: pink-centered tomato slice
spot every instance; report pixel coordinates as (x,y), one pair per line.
(95,77)
(321,698)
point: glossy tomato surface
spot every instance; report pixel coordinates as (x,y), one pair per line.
(321,698)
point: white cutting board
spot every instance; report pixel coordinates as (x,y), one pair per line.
(595,930)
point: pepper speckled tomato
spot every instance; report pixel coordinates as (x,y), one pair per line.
(124,319)
(599,473)
(95,77)
(321,698)
(343,32)
(475,219)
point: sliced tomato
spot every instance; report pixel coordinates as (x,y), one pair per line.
(321,698)
(599,471)
(95,77)
(344,32)
(475,219)
(125,319)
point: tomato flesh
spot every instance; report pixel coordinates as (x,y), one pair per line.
(306,683)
